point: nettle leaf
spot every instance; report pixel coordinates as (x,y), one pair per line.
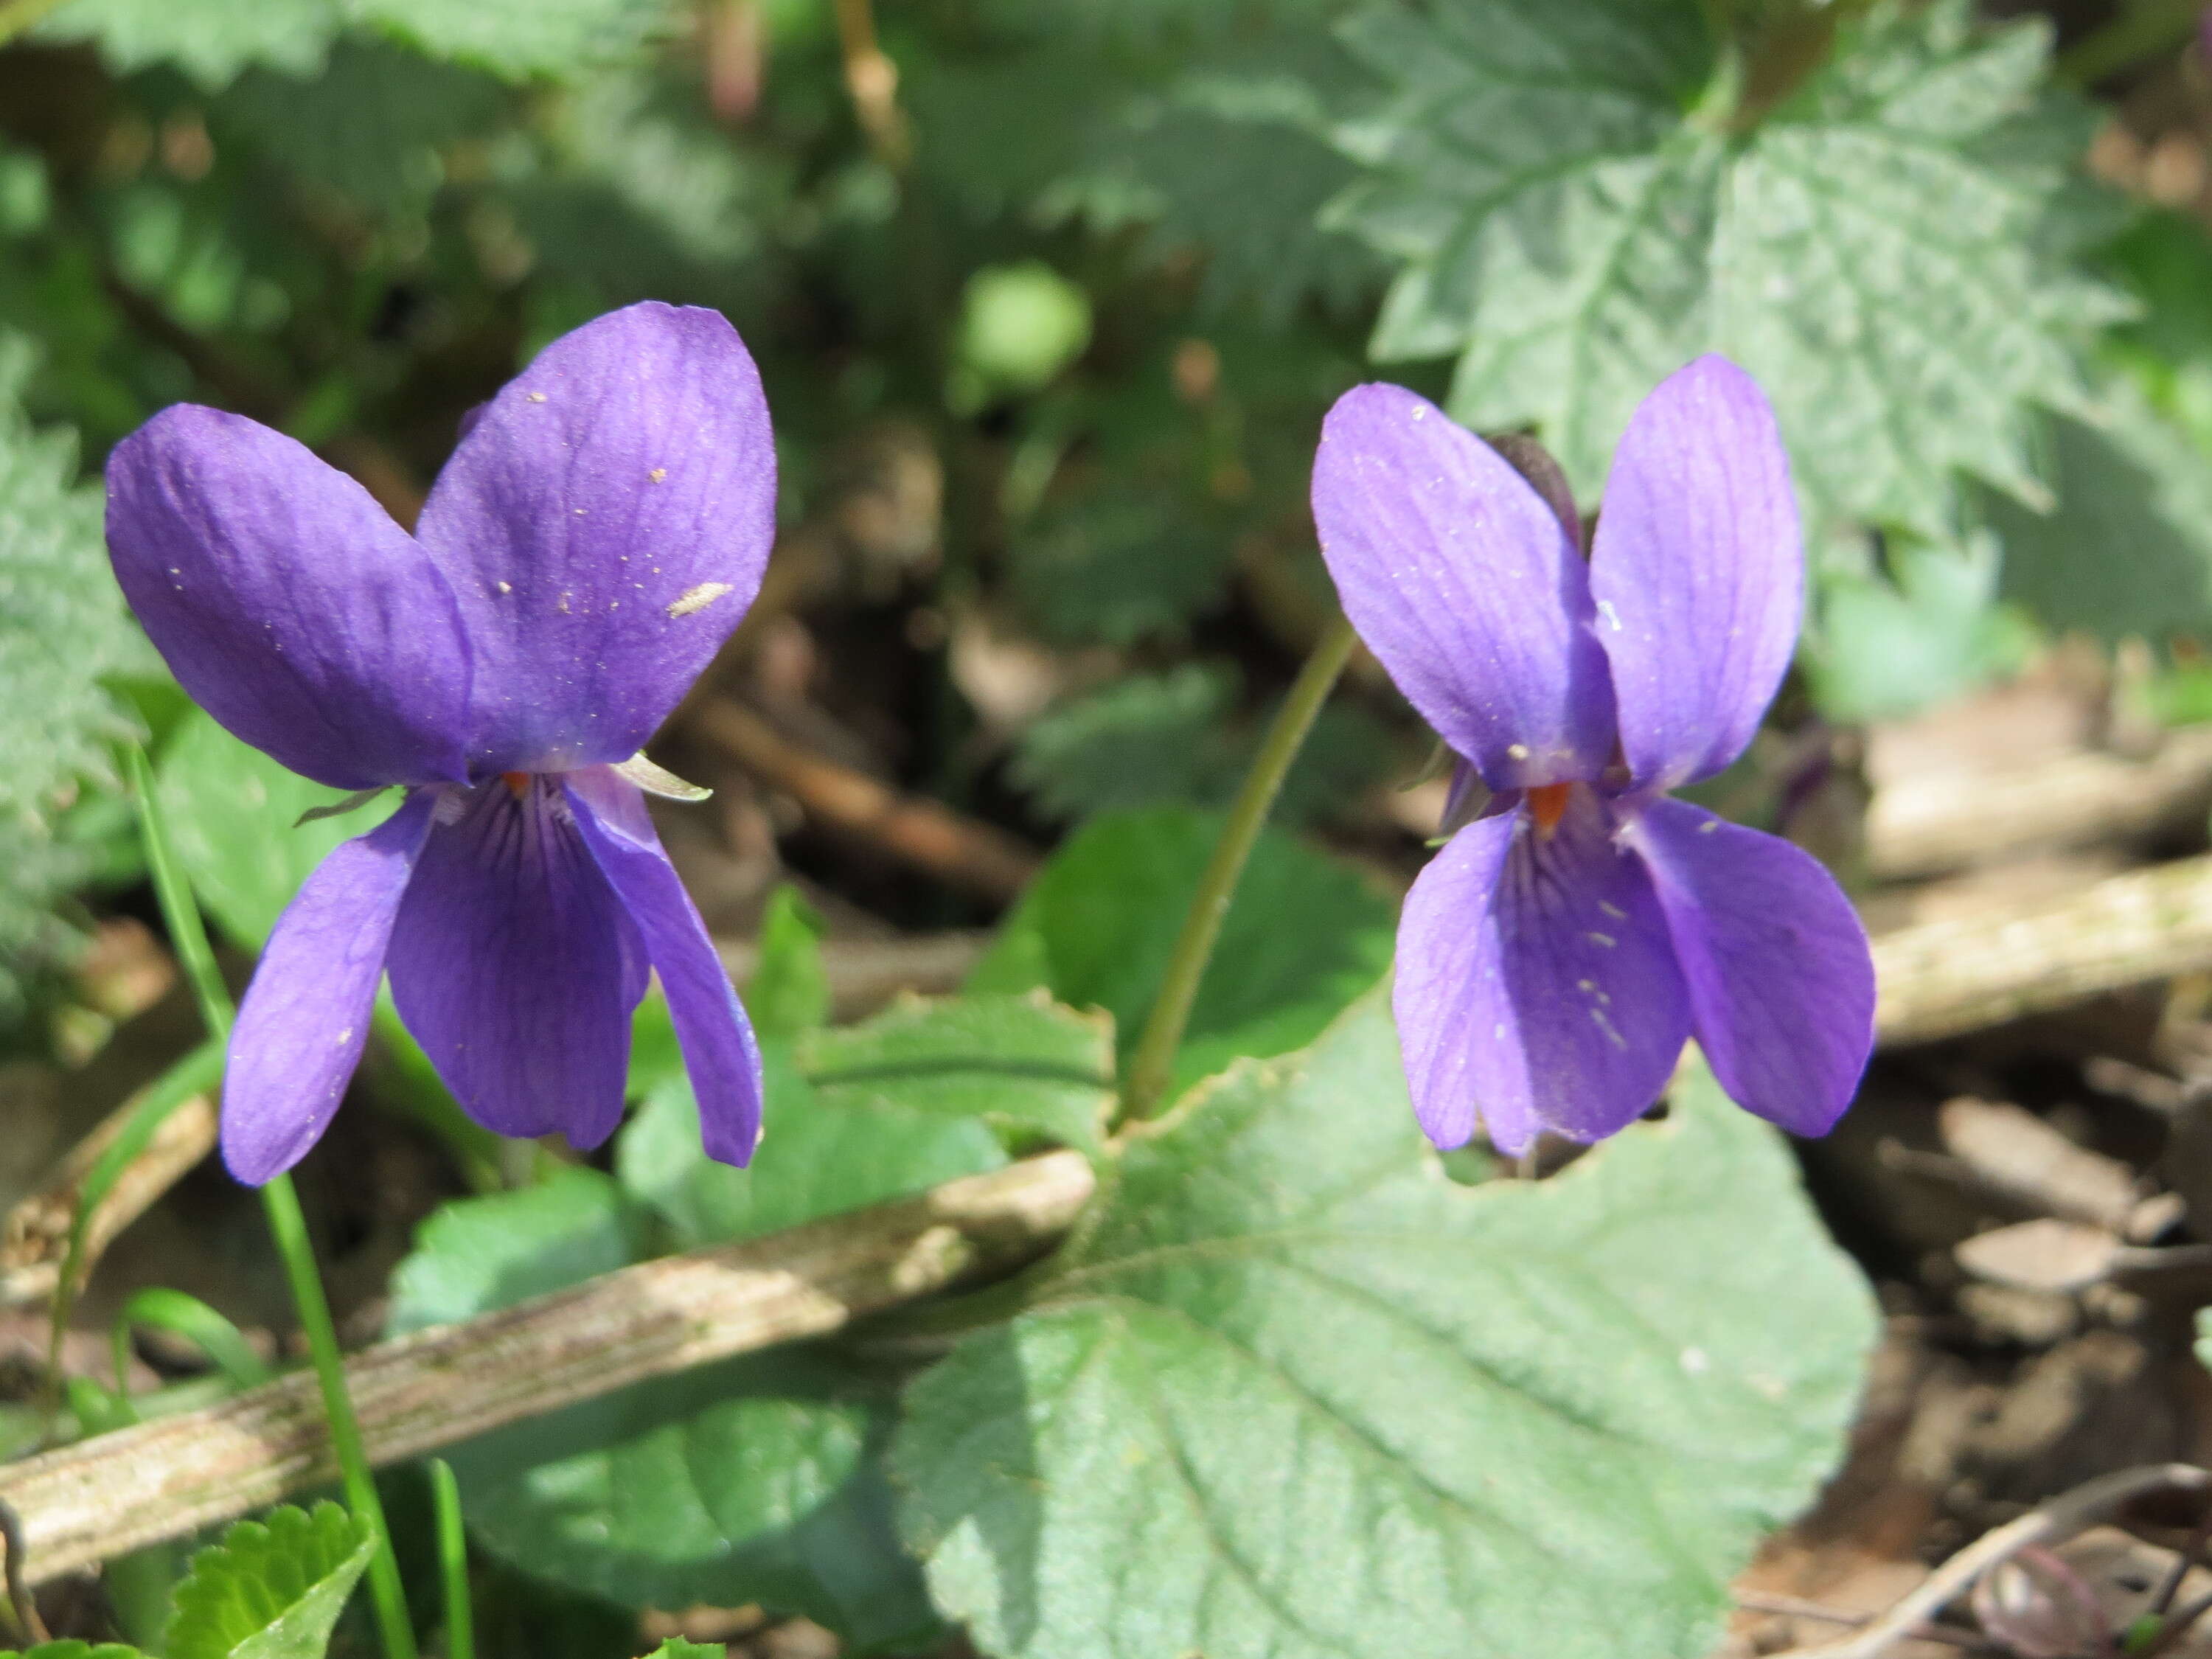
(1326,1403)
(1205,123)
(1025,1066)
(1115,565)
(1886,251)
(638,192)
(1160,740)
(370,125)
(1304,936)
(519,38)
(1138,742)
(64,631)
(272,1590)
(212,41)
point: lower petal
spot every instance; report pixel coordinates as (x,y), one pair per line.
(300,1030)
(1536,984)
(1781,980)
(516,966)
(720,1051)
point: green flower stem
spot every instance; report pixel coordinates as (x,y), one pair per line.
(280,1202)
(453,1561)
(1153,1067)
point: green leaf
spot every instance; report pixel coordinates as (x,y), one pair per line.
(2128,549)
(757,1480)
(1024,1065)
(789,992)
(1098,926)
(478,1254)
(75,1649)
(272,1590)
(210,40)
(1887,251)
(1884,644)
(819,1155)
(677,1648)
(63,632)
(1323,1403)
(234,816)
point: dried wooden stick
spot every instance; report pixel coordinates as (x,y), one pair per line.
(1941,979)
(2060,1518)
(34,1236)
(81,1504)
(1929,826)
(975,857)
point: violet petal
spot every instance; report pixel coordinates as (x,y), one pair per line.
(1698,572)
(305,1015)
(287,602)
(1781,980)
(720,1051)
(1463,581)
(516,967)
(605,525)
(1536,984)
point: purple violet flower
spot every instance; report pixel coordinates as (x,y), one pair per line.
(599,530)
(1557,952)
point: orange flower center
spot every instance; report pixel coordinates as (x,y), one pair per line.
(1547,805)
(518,782)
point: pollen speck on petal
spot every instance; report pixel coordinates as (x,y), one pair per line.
(698,598)
(658,475)
(536,397)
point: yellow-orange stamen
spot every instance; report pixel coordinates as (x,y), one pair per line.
(1547,805)
(519,782)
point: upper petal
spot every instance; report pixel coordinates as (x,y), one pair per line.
(287,602)
(1536,986)
(305,1015)
(1465,584)
(605,523)
(719,1052)
(1698,571)
(516,966)
(1781,980)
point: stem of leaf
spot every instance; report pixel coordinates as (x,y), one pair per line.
(452,1561)
(286,1223)
(1153,1067)
(2144,30)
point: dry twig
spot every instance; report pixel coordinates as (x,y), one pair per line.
(84,1504)
(2059,1518)
(1944,978)
(34,1236)
(1928,826)
(961,852)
